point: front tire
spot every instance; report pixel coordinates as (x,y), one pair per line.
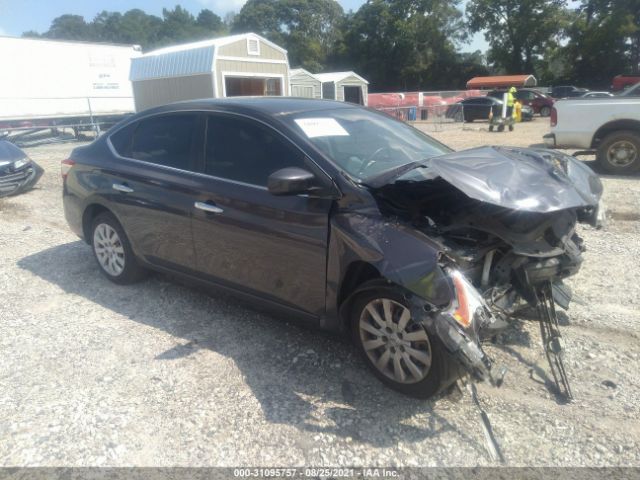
(112,251)
(545,111)
(619,152)
(398,350)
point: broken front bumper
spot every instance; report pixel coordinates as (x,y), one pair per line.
(467,350)
(458,328)
(13,182)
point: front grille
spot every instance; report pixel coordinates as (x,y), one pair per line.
(14,180)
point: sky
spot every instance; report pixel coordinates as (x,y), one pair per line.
(19,16)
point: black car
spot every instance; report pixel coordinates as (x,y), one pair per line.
(474,108)
(18,173)
(338,215)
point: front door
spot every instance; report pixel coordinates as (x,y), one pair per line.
(246,238)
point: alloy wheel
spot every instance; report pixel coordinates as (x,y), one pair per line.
(109,249)
(396,345)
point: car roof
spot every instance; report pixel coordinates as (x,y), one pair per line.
(472,99)
(270,106)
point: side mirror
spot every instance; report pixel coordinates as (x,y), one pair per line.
(291,181)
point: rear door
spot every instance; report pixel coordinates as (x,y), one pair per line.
(246,238)
(152,186)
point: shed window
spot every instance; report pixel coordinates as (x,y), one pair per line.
(253,46)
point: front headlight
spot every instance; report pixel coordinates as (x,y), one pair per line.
(20,163)
(468,300)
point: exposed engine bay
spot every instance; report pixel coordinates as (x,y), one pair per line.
(498,249)
(514,246)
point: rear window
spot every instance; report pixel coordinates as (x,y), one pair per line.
(121,140)
(163,140)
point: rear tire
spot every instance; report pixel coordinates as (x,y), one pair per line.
(399,351)
(112,251)
(619,152)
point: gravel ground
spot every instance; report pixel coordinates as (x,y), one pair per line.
(161,374)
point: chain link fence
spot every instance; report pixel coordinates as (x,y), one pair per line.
(434,110)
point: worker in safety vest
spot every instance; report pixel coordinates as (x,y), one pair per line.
(510,101)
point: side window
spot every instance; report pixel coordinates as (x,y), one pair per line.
(121,140)
(245,151)
(165,140)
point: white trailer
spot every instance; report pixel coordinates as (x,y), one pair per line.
(52,83)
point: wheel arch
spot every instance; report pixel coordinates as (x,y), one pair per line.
(357,273)
(90,212)
(614,126)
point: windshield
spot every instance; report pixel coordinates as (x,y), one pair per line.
(364,143)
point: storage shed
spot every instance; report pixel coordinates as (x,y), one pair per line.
(344,87)
(239,65)
(304,84)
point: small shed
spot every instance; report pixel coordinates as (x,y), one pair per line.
(304,84)
(502,81)
(238,65)
(344,87)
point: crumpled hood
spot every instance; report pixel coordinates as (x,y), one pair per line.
(536,180)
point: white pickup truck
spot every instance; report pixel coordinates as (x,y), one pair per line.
(608,126)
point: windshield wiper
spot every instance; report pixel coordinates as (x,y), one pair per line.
(386,176)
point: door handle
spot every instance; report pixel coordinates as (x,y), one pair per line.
(207,207)
(122,188)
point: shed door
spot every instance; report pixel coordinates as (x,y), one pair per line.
(353,94)
(252,86)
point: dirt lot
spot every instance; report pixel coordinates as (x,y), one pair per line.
(162,374)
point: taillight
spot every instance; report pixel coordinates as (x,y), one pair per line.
(554,116)
(65,167)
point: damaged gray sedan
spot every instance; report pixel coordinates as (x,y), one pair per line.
(345,218)
(18,173)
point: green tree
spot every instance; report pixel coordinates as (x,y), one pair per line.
(308,29)
(210,22)
(405,44)
(178,25)
(106,26)
(70,27)
(31,34)
(139,28)
(604,41)
(518,31)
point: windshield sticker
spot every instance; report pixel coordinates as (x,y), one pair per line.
(321,127)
